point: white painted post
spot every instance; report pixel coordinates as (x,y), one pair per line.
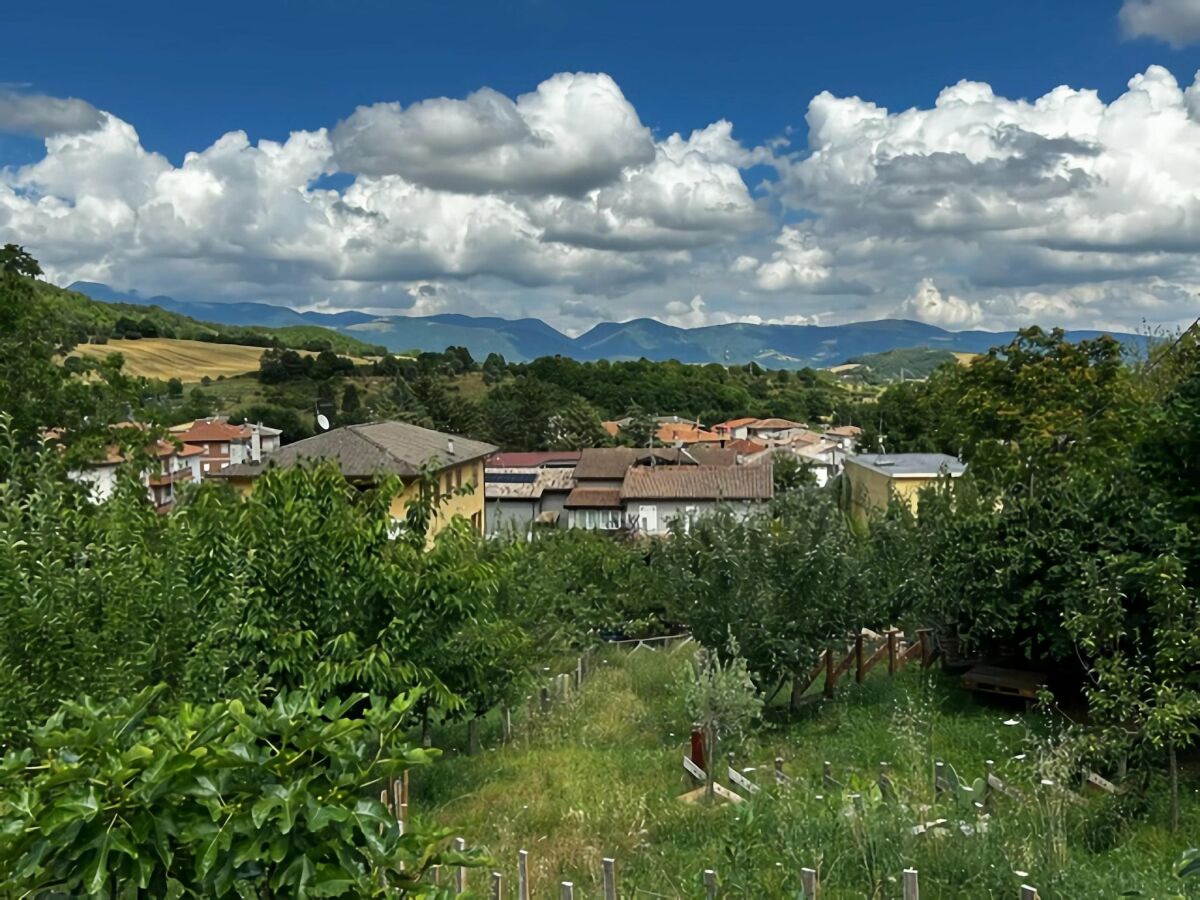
(460,875)
(808,881)
(567,891)
(610,878)
(710,884)
(497,886)
(1028,892)
(939,779)
(911,890)
(522,875)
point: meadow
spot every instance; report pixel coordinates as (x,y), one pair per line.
(600,776)
(189,361)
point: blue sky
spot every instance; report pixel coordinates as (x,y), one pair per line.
(184,75)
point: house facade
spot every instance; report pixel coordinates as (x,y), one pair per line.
(645,490)
(524,490)
(171,465)
(222,444)
(365,453)
(873,480)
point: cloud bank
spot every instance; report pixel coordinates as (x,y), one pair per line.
(977,211)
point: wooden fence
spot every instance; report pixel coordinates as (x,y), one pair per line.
(862,657)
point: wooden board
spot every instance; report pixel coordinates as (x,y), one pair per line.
(1005,682)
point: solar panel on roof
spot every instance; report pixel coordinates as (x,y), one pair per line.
(510,477)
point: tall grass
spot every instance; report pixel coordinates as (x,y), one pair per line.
(601,775)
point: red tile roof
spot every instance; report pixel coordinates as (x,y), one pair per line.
(205,431)
(745,445)
(699,483)
(593,498)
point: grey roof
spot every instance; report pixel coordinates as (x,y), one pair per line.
(910,465)
(699,483)
(377,448)
(613,462)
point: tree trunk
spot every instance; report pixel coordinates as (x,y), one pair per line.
(1173,768)
(798,688)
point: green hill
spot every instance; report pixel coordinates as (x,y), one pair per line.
(95,321)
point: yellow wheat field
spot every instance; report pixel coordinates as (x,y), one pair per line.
(186,360)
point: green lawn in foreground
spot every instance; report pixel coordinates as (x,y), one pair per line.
(600,776)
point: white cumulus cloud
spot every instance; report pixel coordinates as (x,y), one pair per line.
(1175,21)
(42,116)
(928,304)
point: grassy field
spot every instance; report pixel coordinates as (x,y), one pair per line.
(189,361)
(601,777)
(166,358)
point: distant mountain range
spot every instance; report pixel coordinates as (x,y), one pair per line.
(772,346)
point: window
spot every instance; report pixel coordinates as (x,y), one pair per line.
(458,478)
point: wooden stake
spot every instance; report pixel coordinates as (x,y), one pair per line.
(578,673)
(710,884)
(610,878)
(460,875)
(829,676)
(939,779)
(522,875)
(1028,892)
(859,674)
(497,886)
(545,695)
(808,881)
(891,647)
(827,774)
(507,719)
(926,638)
(911,890)
(567,891)
(781,777)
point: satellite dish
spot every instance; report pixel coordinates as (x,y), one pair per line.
(322,421)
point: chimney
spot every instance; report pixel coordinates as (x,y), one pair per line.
(255,443)
(450,446)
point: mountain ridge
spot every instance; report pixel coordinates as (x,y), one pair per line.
(521,340)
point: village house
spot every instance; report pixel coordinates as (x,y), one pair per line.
(364,453)
(171,465)
(222,444)
(524,489)
(653,497)
(598,500)
(873,480)
(846,436)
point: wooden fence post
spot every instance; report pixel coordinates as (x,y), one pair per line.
(507,720)
(827,774)
(1028,892)
(925,636)
(567,891)
(578,672)
(891,645)
(710,884)
(610,878)
(859,674)
(545,697)
(780,776)
(990,770)
(939,779)
(911,890)
(809,884)
(460,875)
(522,875)
(829,664)
(497,886)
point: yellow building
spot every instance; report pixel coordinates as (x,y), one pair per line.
(873,479)
(366,452)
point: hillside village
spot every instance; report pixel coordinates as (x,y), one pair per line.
(689,470)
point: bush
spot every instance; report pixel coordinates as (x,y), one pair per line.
(233,799)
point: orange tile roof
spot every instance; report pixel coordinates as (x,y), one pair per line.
(209,430)
(684,433)
(737,423)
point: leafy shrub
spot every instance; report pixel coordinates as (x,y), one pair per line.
(232,799)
